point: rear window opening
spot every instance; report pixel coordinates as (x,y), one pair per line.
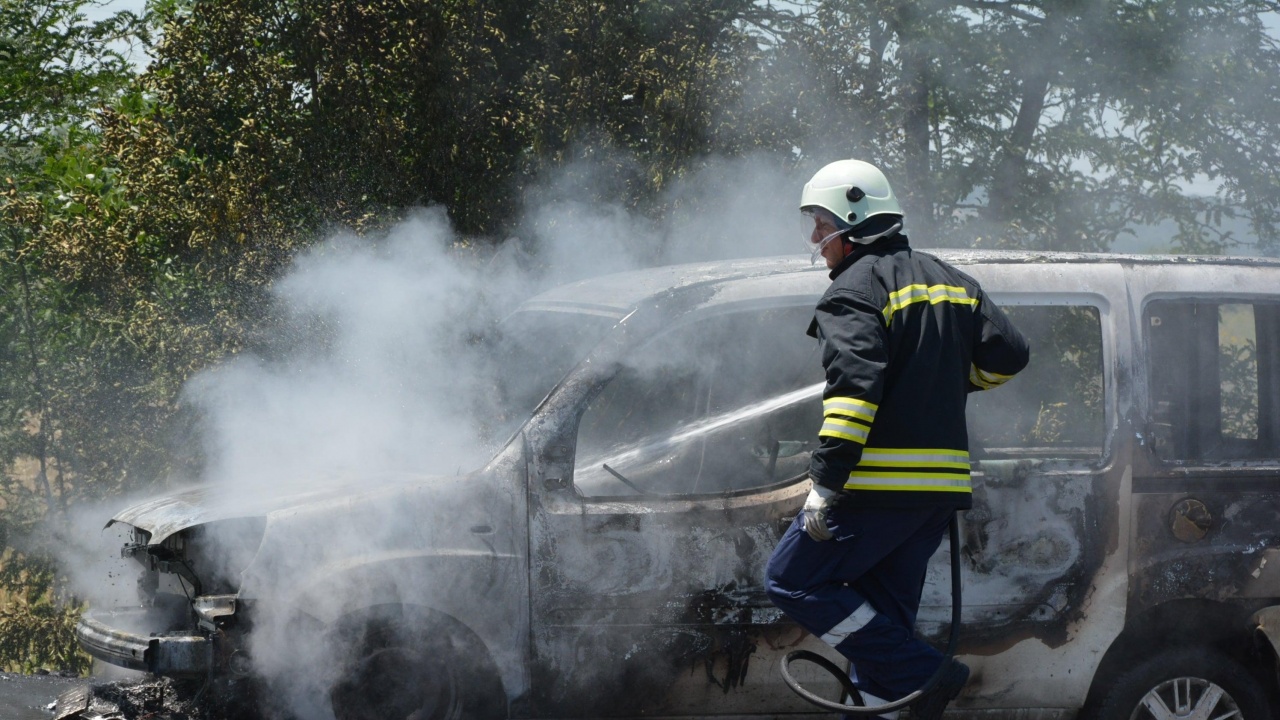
(1054,409)
(1214,372)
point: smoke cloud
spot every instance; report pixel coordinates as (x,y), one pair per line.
(376,361)
(378,366)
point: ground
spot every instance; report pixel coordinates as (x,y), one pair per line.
(28,697)
(45,697)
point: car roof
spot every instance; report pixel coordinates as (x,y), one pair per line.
(616,294)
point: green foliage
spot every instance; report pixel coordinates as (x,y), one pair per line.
(60,395)
(1238,371)
(1058,125)
(37,629)
(650,77)
(333,112)
(55,69)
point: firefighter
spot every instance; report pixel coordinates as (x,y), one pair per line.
(904,338)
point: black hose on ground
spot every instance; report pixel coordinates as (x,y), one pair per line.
(843,678)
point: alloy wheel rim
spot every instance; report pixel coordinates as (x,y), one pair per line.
(1187,698)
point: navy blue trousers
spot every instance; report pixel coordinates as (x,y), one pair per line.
(860,591)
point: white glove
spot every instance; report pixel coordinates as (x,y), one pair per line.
(815,511)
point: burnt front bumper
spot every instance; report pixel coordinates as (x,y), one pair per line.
(121,637)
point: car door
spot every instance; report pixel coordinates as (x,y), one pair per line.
(1205,508)
(646,567)
(1039,542)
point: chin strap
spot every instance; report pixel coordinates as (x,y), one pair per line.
(817,249)
(872,238)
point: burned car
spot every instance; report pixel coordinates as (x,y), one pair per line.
(608,560)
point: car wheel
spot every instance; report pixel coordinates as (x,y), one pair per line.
(409,664)
(1185,684)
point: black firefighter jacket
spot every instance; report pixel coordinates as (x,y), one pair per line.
(905,337)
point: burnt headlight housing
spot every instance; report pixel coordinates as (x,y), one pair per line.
(201,560)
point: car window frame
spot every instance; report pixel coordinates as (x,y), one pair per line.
(1107,329)
(678,321)
(1253,299)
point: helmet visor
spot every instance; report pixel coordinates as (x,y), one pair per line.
(819,228)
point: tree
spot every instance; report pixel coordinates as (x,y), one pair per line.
(1054,125)
(55,67)
(651,78)
(342,113)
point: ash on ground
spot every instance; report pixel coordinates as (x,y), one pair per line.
(154,699)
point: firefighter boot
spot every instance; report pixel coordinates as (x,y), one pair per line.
(930,707)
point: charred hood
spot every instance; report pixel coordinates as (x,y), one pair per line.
(166,515)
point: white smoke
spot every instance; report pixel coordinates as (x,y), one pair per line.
(374,369)
(379,370)
(374,383)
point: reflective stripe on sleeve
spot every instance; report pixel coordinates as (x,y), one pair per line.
(932,294)
(986,380)
(844,429)
(851,407)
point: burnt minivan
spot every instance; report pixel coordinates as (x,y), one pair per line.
(608,560)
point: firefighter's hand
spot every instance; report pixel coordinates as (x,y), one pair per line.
(815,511)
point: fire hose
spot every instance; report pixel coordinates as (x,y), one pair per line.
(843,678)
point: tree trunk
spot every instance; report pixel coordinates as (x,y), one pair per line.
(1009,175)
(915,192)
(43,433)
(1039,66)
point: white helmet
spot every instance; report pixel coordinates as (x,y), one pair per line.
(853,192)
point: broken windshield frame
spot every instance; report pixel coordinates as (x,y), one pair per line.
(530,352)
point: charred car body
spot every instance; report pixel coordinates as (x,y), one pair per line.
(608,560)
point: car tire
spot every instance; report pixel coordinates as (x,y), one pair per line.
(407,663)
(1185,683)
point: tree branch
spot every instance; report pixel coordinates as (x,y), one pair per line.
(1002,7)
(43,433)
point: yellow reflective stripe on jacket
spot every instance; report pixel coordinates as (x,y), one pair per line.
(844,429)
(910,483)
(924,458)
(911,469)
(851,407)
(986,380)
(933,294)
